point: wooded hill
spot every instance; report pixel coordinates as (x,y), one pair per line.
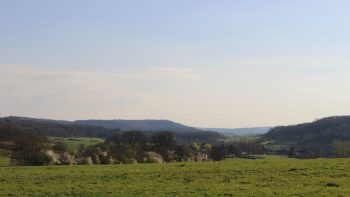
(140,125)
(57,128)
(323,131)
(106,129)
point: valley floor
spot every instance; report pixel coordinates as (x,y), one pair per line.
(272,176)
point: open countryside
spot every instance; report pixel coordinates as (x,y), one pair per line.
(245,98)
(270,164)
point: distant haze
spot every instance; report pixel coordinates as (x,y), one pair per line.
(216,64)
(240,131)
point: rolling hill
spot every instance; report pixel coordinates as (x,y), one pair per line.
(57,128)
(107,128)
(322,131)
(141,125)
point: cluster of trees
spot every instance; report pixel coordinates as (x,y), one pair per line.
(241,148)
(136,147)
(246,147)
(25,144)
(32,148)
(341,148)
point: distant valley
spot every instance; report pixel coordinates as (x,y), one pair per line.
(239,131)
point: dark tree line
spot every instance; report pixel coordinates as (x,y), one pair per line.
(135,146)
(57,129)
(67,129)
(25,144)
(32,148)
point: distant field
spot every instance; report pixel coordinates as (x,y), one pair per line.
(4,158)
(272,176)
(237,138)
(74,142)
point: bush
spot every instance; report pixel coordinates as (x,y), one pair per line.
(85,161)
(218,152)
(153,157)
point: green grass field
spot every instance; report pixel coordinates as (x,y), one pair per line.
(238,138)
(272,176)
(4,158)
(74,142)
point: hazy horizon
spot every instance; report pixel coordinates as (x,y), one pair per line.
(229,64)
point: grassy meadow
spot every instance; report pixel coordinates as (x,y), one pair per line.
(271,176)
(5,158)
(73,143)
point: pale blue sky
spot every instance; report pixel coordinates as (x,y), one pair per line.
(203,63)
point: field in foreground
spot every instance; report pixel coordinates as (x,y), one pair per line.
(272,176)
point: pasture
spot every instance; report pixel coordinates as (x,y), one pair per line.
(5,156)
(73,143)
(271,176)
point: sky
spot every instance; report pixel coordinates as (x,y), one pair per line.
(227,63)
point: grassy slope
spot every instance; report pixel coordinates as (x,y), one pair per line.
(4,161)
(238,138)
(4,158)
(273,176)
(74,142)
